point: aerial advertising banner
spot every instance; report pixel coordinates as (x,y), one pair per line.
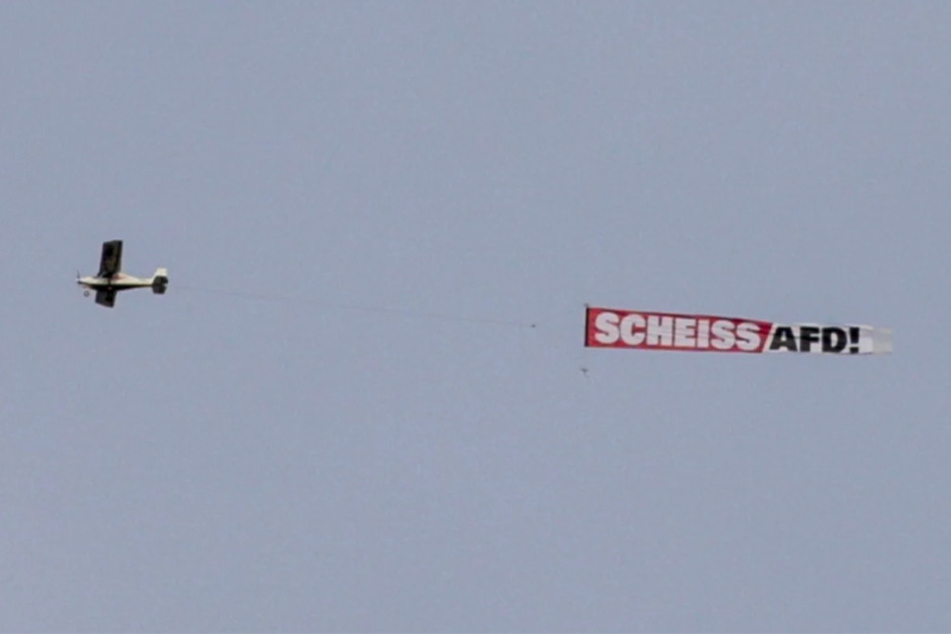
(614,328)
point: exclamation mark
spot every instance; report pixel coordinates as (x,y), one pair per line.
(854,339)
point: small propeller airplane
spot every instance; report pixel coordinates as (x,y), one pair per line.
(110,279)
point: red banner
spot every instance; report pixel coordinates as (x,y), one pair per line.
(612,328)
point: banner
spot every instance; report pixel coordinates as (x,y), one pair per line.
(614,328)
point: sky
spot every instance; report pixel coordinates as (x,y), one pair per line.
(253,453)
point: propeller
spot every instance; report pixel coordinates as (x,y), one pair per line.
(85,290)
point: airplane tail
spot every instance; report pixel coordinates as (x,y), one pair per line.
(160,281)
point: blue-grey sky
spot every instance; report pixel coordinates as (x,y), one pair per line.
(210,462)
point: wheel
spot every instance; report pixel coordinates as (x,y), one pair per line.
(85,293)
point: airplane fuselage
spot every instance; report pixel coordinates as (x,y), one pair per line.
(119,282)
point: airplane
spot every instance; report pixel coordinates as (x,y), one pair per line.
(110,279)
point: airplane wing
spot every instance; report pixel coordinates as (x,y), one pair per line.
(106,298)
(111,262)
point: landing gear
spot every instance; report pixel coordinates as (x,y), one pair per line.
(85,293)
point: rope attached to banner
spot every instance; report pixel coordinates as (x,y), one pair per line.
(267,297)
